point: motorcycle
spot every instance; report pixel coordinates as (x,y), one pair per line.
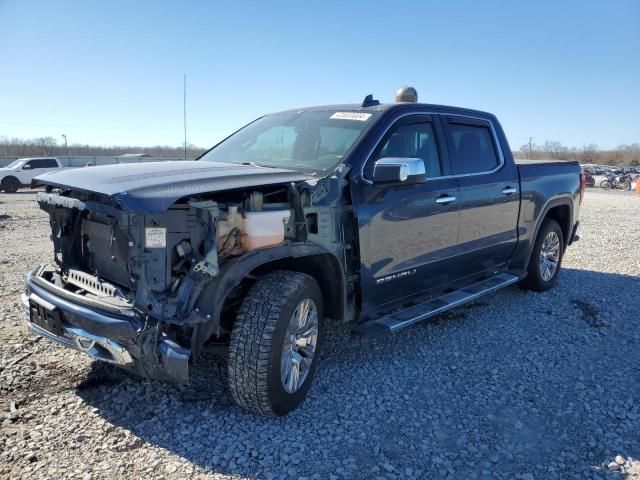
(620,182)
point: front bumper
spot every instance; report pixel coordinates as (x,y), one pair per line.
(124,337)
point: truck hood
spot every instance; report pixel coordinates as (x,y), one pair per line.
(152,187)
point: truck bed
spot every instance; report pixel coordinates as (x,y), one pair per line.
(545,162)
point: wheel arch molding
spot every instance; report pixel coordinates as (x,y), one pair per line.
(561,210)
(308,258)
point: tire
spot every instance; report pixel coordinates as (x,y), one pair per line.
(537,278)
(10,184)
(605,184)
(626,185)
(258,338)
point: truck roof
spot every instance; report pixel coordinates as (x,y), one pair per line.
(394,106)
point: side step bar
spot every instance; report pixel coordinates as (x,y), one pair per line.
(422,311)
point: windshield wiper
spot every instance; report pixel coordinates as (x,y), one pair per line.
(254,164)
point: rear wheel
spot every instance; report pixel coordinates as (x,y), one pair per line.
(626,185)
(275,343)
(546,257)
(10,184)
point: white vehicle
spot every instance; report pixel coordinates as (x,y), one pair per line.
(20,172)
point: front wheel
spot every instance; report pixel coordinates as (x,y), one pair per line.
(275,343)
(626,185)
(546,257)
(605,184)
(10,185)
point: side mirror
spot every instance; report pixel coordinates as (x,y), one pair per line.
(399,170)
(27,167)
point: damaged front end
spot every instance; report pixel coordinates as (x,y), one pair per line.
(126,287)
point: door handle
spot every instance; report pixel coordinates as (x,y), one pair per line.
(445,199)
(509,190)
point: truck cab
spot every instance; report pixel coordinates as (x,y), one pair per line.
(382,215)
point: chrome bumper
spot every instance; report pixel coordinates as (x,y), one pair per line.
(100,348)
(102,336)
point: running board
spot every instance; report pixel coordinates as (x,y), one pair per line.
(422,311)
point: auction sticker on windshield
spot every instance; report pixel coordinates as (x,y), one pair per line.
(361,117)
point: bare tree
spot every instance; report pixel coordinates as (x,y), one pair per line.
(590,153)
(45,145)
(555,150)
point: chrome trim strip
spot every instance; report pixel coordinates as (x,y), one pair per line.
(439,114)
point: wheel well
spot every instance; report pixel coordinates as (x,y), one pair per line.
(562,215)
(8,178)
(326,270)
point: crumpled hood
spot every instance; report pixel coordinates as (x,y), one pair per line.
(152,187)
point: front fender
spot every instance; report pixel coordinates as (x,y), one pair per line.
(234,271)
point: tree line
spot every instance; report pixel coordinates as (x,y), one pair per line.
(18,147)
(49,146)
(628,155)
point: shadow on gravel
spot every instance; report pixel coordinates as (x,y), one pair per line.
(520,385)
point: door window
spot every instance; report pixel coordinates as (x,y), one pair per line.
(411,139)
(471,148)
(42,163)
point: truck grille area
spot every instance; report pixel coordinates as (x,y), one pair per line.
(92,284)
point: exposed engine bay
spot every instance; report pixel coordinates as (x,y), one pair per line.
(161,269)
(146,260)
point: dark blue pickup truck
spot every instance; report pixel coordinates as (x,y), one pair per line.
(378,214)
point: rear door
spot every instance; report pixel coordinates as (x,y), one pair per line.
(489,199)
(406,232)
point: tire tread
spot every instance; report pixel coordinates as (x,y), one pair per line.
(252,338)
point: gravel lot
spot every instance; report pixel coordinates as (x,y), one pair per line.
(518,385)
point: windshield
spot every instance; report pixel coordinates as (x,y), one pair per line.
(309,140)
(14,164)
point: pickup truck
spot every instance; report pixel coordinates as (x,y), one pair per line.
(21,172)
(378,214)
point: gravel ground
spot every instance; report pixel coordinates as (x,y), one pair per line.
(518,385)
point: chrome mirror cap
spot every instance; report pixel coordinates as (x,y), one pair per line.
(399,170)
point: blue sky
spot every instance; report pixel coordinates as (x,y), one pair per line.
(111,72)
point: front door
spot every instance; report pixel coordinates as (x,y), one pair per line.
(36,167)
(406,232)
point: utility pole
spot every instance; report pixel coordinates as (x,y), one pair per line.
(530,148)
(184,104)
(66,145)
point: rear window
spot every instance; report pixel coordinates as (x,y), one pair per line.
(471,147)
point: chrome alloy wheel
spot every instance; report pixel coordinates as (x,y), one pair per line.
(299,345)
(549,256)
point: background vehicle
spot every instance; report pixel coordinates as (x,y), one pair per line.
(383,215)
(21,172)
(622,182)
(589,180)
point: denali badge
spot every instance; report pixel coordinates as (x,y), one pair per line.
(395,276)
(155,237)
